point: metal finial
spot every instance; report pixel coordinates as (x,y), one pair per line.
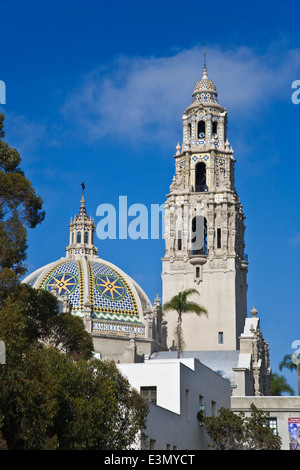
(83,186)
(204,76)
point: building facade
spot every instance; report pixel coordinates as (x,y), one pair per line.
(204,227)
(177,390)
(284,416)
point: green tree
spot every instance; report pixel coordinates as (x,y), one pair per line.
(20,208)
(279,385)
(292,362)
(49,402)
(53,393)
(235,431)
(180,304)
(29,317)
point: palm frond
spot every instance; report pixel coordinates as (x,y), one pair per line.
(193,307)
(287,362)
(170,305)
(187,292)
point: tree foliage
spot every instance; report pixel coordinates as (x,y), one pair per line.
(292,362)
(235,431)
(279,385)
(49,401)
(53,393)
(20,208)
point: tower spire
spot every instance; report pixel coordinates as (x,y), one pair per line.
(204,62)
(82,210)
(82,230)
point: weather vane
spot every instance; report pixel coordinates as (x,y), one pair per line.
(204,55)
(83,186)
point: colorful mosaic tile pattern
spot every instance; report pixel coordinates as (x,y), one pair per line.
(110,294)
(205,98)
(179,200)
(205,84)
(67,279)
(218,197)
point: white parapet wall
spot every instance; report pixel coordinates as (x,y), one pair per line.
(284,413)
(182,386)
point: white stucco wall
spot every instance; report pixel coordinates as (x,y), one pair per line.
(172,422)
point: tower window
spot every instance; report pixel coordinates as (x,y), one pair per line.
(199,235)
(72,238)
(219,238)
(197,272)
(189,130)
(221,337)
(78,238)
(86,237)
(179,241)
(200,177)
(201,129)
(215,130)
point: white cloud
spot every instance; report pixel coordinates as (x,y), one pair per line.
(144,98)
(24,134)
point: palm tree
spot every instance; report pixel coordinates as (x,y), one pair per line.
(279,385)
(181,305)
(292,362)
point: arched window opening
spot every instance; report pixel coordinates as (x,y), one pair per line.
(78,238)
(201,129)
(86,237)
(215,130)
(199,235)
(72,238)
(200,177)
(189,131)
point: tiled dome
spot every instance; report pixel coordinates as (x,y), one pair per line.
(112,294)
(86,281)
(205,90)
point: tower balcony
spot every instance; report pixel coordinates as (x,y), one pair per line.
(198,257)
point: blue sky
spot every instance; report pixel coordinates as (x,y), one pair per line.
(96,90)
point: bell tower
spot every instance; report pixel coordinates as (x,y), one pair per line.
(204,228)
